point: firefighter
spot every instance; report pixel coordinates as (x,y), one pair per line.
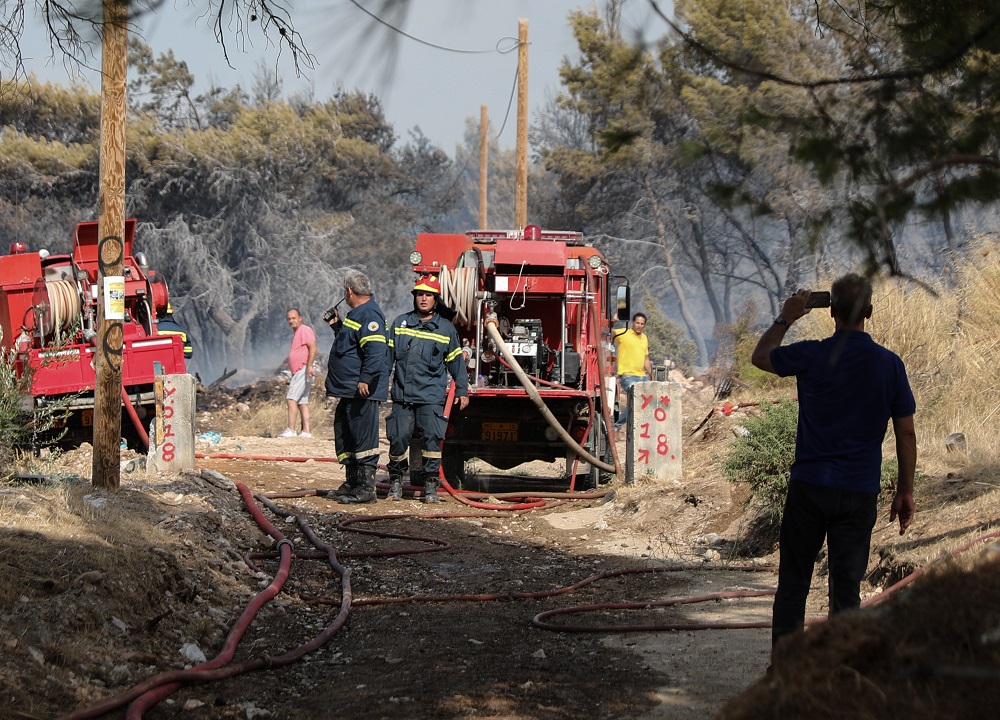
(425,349)
(358,375)
(166,325)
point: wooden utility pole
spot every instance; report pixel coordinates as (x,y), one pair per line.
(484,155)
(521,169)
(111,249)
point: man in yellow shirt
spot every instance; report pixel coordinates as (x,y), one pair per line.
(633,361)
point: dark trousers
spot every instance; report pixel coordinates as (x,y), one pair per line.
(355,432)
(814,512)
(399,428)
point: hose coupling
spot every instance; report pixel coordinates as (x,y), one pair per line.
(285,541)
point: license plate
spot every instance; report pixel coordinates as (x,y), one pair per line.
(87,418)
(499,432)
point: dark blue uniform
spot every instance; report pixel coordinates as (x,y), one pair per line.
(168,326)
(425,353)
(359,354)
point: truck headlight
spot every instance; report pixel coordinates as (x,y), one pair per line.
(595,262)
(415,257)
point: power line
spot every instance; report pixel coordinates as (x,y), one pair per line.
(497,48)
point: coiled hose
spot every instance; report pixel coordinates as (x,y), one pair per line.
(458,291)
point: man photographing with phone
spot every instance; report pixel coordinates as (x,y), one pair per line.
(849,387)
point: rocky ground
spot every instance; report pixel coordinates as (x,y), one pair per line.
(103,591)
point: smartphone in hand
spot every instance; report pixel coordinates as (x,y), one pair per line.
(818,299)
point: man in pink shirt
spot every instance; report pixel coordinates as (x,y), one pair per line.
(300,364)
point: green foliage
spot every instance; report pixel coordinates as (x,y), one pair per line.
(763,457)
(667,339)
(737,341)
(20,427)
(890,474)
(245,208)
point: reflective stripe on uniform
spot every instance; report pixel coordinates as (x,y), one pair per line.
(423,334)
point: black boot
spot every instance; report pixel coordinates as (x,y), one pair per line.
(349,485)
(430,489)
(365,491)
(395,486)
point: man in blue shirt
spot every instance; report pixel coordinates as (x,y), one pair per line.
(849,387)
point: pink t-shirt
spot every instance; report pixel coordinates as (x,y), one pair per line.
(299,353)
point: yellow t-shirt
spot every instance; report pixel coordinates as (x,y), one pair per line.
(632,352)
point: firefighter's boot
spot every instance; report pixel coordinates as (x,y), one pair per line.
(350,484)
(365,490)
(395,486)
(430,489)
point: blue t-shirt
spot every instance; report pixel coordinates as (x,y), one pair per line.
(849,387)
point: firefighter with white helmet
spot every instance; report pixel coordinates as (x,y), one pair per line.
(425,349)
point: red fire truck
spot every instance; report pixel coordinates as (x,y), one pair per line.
(48,327)
(534,311)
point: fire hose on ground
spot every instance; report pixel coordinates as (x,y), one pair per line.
(146,694)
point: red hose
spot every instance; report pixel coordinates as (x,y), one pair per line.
(156,688)
(135,418)
(527,505)
(539,619)
(225,656)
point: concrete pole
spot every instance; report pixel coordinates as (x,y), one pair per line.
(521,168)
(106,471)
(484,155)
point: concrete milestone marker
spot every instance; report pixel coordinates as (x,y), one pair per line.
(171,437)
(653,435)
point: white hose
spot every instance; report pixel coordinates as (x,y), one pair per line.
(494,333)
(458,291)
(64,305)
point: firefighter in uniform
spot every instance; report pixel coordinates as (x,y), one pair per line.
(166,325)
(425,349)
(358,375)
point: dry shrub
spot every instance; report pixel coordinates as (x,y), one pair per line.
(266,420)
(947,336)
(269,418)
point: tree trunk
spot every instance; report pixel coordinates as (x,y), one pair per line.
(675,281)
(235,332)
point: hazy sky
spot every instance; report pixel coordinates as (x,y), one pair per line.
(435,89)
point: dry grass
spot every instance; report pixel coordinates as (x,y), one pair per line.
(948,338)
(269,418)
(91,534)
